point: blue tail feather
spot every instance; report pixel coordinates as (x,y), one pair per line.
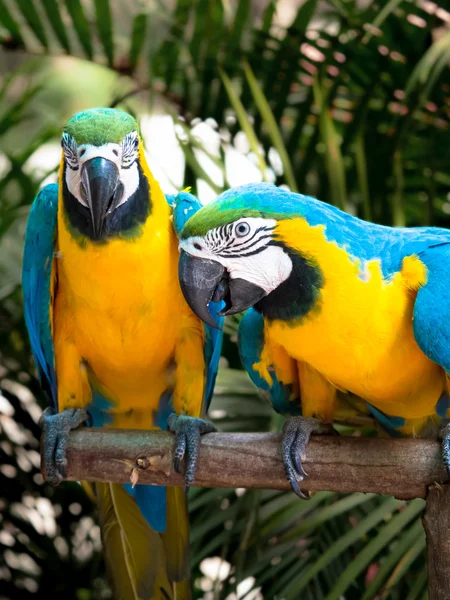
(151,500)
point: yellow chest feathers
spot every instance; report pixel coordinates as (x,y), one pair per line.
(120,301)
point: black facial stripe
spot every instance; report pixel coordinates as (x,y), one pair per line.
(243,255)
(130,144)
(262,228)
(128,166)
(70,150)
(243,251)
(247,245)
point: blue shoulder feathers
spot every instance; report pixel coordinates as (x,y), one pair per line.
(37,285)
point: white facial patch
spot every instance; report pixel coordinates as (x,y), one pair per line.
(122,155)
(243,248)
(268,269)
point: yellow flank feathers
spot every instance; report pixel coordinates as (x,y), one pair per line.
(414,272)
(359,333)
(119,310)
(317,394)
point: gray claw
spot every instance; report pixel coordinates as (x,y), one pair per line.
(188,431)
(56,428)
(445,446)
(296,434)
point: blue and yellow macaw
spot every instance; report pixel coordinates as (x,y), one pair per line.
(113,339)
(343,312)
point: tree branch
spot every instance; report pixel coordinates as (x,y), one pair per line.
(436,522)
(401,468)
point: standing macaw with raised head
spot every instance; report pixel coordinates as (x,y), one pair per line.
(337,305)
(114,340)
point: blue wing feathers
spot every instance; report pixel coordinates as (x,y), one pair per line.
(431,323)
(184,206)
(36,285)
(251,344)
(213,347)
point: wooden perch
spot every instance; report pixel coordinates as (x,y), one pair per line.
(406,468)
(401,468)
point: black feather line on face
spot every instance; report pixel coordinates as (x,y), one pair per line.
(122,222)
(232,253)
(299,295)
(70,150)
(130,145)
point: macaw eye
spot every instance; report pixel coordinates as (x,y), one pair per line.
(130,145)
(70,150)
(242,229)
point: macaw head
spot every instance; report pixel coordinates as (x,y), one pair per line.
(105,192)
(230,251)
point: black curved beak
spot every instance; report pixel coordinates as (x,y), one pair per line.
(203,281)
(199,278)
(101,190)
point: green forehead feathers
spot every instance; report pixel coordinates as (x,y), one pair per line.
(217,214)
(98,126)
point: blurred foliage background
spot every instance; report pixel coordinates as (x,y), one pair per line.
(347,100)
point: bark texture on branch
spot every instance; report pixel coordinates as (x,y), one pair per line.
(436,522)
(401,468)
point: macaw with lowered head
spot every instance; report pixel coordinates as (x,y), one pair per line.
(338,307)
(113,339)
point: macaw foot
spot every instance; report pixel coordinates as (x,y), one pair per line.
(188,431)
(445,446)
(55,437)
(296,434)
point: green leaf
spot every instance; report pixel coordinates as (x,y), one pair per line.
(238,27)
(9,23)
(361,170)
(334,163)
(165,60)
(200,32)
(244,122)
(81,26)
(268,16)
(327,513)
(372,549)
(398,211)
(405,563)
(137,39)
(31,16)
(271,125)
(284,72)
(418,586)
(401,546)
(105,28)
(382,15)
(15,112)
(340,545)
(428,70)
(54,16)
